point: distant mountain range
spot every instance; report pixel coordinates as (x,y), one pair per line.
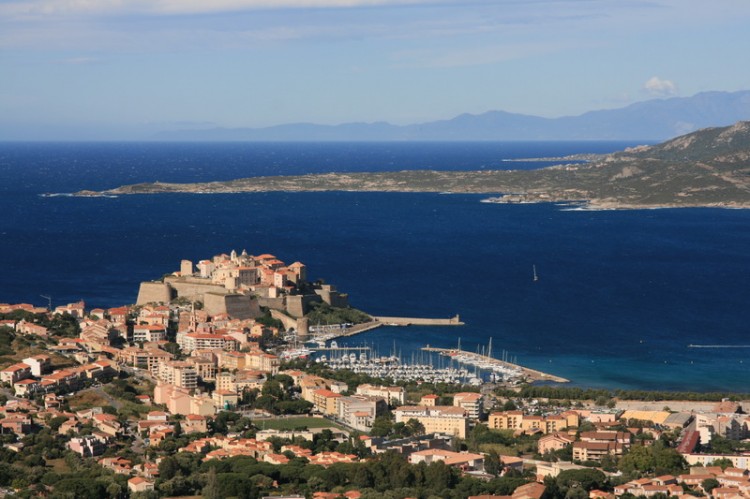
(652,120)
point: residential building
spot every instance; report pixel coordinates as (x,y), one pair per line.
(262,361)
(438,419)
(225,399)
(88,446)
(553,442)
(360,411)
(470,402)
(140,484)
(149,333)
(393,395)
(39,364)
(15,372)
(148,358)
(465,461)
(326,401)
(179,373)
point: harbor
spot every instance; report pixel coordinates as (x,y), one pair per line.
(462,366)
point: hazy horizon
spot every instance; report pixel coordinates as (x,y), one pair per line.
(113,69)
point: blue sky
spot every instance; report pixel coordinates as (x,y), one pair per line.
(119,68)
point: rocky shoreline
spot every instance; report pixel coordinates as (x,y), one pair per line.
(708,168)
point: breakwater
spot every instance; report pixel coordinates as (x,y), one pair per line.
(386,321)
(490,363)
(416,321)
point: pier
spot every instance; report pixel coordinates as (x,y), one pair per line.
(377,322)
(358,328)
(476,358)
(341,349)
(416,321)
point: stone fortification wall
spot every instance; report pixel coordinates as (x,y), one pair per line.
(242,306)
(194,288)
(154,292)
(236,306)
(298,305)
(289,322)
(277,303)
(332,297)
(303,327)
(300,325)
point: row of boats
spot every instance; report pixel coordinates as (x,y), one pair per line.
(458,369)
(392,367)
(498,372)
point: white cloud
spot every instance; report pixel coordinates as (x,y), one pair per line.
(79,61)
(41,8)
(658,87)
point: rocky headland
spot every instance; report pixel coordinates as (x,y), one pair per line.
(707,168)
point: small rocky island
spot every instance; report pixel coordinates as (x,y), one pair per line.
(707,168)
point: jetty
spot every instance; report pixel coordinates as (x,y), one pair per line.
(484,360)
(416,321)
(376,322)
(340,349)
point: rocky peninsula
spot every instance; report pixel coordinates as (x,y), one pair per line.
(707,168)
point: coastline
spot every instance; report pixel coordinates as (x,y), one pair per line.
(568,204)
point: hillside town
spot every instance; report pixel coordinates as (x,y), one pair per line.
(184,394)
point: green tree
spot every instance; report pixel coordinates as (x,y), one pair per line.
(211,489)
(381,427)
(723,462)
(709,484)
(168,468)
(492,463)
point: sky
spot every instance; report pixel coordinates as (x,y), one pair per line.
(77,69)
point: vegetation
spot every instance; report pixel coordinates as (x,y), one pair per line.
(323,313)
(385,476)
(267,320)
(658,459)
(6,339)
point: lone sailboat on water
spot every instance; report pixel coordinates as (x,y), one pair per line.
(536,277)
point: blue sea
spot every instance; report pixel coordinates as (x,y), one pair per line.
(620,295)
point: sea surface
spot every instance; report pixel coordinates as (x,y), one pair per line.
(620,295)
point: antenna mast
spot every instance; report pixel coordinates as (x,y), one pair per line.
(49,302)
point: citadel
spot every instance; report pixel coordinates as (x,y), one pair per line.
(238,285)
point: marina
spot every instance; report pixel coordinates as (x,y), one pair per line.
(394,368)
(462,366)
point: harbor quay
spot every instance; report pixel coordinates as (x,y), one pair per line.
(495,365)
(416,321)
(390,321)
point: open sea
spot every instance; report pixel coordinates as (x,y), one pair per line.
(620,296)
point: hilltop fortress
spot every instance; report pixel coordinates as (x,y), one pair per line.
(238,285)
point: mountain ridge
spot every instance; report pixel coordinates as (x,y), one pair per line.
(656,119)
